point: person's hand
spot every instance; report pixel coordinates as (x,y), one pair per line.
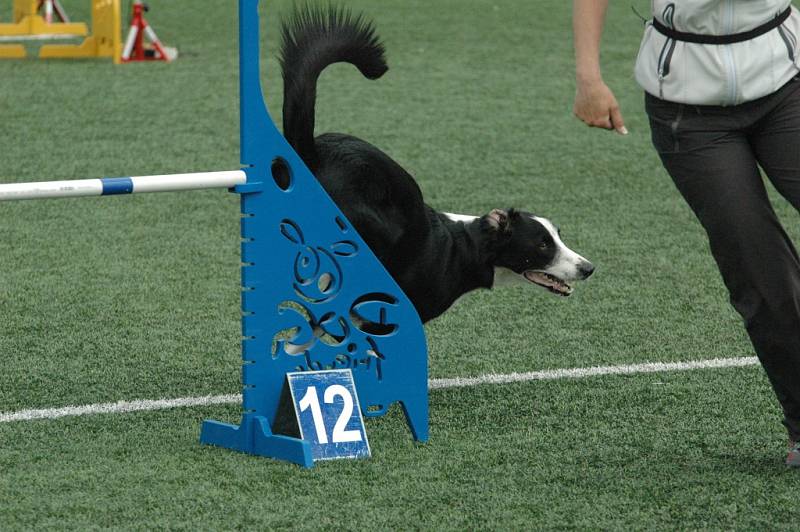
(596,106)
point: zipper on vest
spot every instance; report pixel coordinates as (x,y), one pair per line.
(727,53)
(665,57)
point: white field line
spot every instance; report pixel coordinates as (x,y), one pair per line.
(121,407)
(579,373)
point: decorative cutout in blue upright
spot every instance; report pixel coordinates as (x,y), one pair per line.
(314,295)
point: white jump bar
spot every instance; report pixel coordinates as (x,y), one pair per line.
(121,185)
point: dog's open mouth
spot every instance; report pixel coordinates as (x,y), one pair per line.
(551,282)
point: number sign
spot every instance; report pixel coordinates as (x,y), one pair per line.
(328,413)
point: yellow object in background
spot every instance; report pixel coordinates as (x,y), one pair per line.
(27,21)
(104,41)
(29,24)
(12,51)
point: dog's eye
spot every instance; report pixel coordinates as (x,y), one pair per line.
(542,246)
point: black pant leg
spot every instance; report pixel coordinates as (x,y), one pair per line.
(709,157)
(775,138)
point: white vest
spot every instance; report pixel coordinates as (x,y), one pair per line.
(727,74)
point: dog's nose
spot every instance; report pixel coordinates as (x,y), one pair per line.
(586,269)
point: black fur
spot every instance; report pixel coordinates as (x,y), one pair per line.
(313,39)
(433,259)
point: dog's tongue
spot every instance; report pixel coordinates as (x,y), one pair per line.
(554,284)
(541,278)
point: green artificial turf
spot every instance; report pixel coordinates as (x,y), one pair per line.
(109,299)
(645,452)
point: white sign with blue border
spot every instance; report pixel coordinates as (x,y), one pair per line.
(328,413)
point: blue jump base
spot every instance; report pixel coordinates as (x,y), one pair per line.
(314,296)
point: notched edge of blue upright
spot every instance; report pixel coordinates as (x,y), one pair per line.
(253,435)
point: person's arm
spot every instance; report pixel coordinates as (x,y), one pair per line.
(595,104)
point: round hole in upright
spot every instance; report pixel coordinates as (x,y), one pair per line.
(281,174)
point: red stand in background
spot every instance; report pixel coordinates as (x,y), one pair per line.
(135,48)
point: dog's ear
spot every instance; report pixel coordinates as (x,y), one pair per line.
(497,220)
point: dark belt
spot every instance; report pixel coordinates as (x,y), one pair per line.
(723,39)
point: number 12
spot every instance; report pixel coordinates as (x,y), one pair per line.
(311,400)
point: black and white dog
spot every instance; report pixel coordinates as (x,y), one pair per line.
(435,257)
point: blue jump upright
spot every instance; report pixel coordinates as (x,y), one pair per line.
(313,294)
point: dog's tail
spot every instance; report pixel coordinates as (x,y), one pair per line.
(312,39)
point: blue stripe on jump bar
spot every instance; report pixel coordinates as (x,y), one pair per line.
(117,185)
